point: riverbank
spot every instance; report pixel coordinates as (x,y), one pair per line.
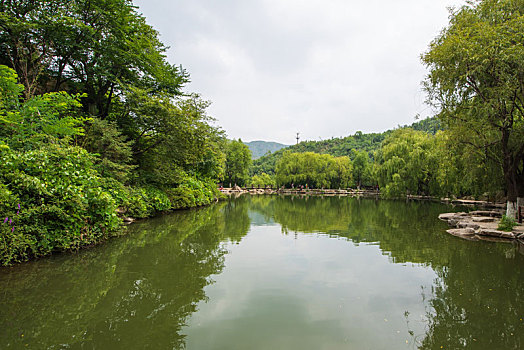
(294,191)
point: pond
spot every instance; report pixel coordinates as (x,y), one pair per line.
(271,272)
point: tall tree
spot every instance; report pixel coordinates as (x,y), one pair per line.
(86,46)
(238,161)
(476,80)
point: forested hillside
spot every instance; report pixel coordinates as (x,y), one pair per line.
(260,148)
(339,147)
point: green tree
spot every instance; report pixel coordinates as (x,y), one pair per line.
(238,161)
(88,46)
(361,167)
(262,180)
(476,81)
(408,163)
(313,170)
(45,118)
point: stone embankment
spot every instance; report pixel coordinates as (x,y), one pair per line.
(480,225)
(288,191)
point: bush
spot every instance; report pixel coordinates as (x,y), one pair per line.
(506,224)
(146,201)
(192,192)
(54,200)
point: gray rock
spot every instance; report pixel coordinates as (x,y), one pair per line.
(496,233)
(472,225)
(453,222)
(483,219)
(492,213)
(462,233)
(446,216)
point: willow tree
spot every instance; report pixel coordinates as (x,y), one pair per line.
(476,81)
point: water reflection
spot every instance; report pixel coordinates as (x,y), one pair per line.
(476,300)
(285,283)
(135,292)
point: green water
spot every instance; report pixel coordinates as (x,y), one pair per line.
(273,273)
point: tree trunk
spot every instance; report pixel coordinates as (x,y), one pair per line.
(511,210)
(511,187)
(509,167)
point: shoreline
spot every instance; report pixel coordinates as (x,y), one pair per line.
(358,193)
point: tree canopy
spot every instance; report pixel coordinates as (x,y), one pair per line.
(476,81)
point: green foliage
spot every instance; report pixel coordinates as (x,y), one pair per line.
(313,170)
(157,126)
(95,75)
(238,161)
(147,201)
(192,193)
(84,46)
(114,153)
(63,204)
(347,146)
(506,224)
(362,168)
(407,163)
(262,180)
(337,147)
(40,119)
(476,67)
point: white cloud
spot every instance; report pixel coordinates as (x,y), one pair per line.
(323,68)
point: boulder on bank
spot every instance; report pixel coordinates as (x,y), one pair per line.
(479,225)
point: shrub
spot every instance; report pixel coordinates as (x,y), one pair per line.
(506,224)
(63,203)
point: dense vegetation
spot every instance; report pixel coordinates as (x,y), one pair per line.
(94,120)
(476,81)
(339,147)
(313,169)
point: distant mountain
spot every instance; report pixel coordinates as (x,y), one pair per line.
(260,148)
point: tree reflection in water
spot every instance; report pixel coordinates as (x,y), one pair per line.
(476,301)
(134,292)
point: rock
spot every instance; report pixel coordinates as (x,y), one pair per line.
(496,233)
(480,213)
(473,225)
(492,213)
(482,219)
(469,230)
(446,216)
(128,220)
(453,222)
(462,233)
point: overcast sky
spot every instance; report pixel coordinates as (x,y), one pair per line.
(324,68)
